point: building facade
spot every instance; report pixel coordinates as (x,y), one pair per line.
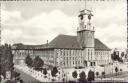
(69,51)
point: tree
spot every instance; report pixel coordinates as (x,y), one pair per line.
(116,70)
(74,74)
(28,61)
(103,74)
(38,63)
(45,72)
(115,56)
(91,76)
(85,62)
(6,59)
(82,77)
(16,75)
(6,63)
(54,72)
(97,73)
(122,54)
(120,59)
(121,70)
(0,63)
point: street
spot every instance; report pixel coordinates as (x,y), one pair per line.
(27,78)
(124,76)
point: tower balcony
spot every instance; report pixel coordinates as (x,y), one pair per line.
(85,29)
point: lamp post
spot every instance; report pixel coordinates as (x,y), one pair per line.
(112,70)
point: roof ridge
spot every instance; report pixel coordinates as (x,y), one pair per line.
(66,35)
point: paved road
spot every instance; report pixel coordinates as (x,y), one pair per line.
(27,78)
(124,76)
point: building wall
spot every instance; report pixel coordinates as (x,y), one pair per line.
(47,55)
(103,57)
(89,56)
(66,57)
(69,57)
(20,55)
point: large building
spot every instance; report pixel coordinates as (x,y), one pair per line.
(69,51)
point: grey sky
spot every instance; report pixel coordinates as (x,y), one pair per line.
(37,22)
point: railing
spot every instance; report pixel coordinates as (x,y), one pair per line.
(113,74)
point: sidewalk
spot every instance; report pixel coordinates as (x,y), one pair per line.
(35,74)
(122,76)
(114,74)
(40,76)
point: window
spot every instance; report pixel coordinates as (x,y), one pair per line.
(64,53)
(94,63)
(88,51)
(79,62)
(73,62)
(76,62)
(91,63)
(70,52)
(91,52)
(64,63)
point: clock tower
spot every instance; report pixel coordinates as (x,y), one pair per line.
(85,34)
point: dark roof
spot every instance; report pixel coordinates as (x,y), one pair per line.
(22,46)
(62,41)
(100,46)
(66,41)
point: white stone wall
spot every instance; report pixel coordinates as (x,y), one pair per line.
(20,55)
(89,56)
(69,57)
(47,55)
(102,57)
(66,57)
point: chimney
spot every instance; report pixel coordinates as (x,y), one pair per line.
(47,42)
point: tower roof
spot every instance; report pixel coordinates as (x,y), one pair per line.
(66,41)
(100,45)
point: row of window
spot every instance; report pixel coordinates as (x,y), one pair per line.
(44,52)
(103,61)
(101,53)
(90,54)
(21,53)
(72,63)
(72,58)
(69,52)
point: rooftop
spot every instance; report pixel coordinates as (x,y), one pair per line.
(63,42)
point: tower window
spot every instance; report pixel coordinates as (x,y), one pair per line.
(85,26)
(91,64)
